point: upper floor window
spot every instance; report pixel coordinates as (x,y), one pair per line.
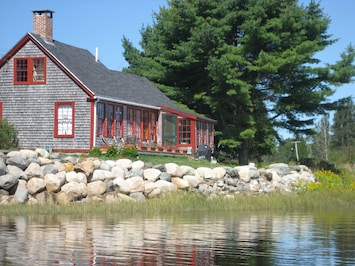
(30,70)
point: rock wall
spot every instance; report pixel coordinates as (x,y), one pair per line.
(37,177)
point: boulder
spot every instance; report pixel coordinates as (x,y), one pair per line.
(102,175)
(121,185)
(173,169)
(96,188)
(124,163)
(180,183)
(8,181)
(18,161)
(34,170)
(35,185)
(87,167)
(151,174)
(53,183)
(136,184)
(21,194)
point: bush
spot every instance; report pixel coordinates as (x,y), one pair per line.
(111,152)
(8,135)
(129,152)
(328,180)
(95,152)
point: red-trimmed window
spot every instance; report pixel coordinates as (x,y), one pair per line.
(64,120)
(30,70)
(184,131)
(100,118)
(118,119)
(153,127)
(110,120)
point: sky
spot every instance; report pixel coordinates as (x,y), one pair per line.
(90,23)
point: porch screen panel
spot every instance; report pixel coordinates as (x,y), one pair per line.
(184,131)
(153,127)
(129,121)
(169,129)
(137,123)
(118,119)
(110,120)
(100,118)
(145,125)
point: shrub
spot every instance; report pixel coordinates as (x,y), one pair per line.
(129,152)
(328,180)
(111,152)
(95,152)
(8,135)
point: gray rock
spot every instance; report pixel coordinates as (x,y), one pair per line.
(138,196)
(8,181)
(281,168)
(14,170)
(50,169)
(18,161)
(2,168)
(165,176)
(21,194)
(121,185)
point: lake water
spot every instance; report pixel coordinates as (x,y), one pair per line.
(324,238)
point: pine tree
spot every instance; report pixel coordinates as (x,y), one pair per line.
(250,64)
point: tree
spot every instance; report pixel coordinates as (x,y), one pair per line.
(321,140)
(250,64)
(8,135)
(343,127)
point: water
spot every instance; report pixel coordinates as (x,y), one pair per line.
(325,238)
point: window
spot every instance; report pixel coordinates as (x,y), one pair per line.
(118,118)
(64,120)
(100,118)
(110,121)
(30,70)
(184,131)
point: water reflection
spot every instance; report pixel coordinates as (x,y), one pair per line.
(204,239)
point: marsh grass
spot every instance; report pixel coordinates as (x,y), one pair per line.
(186,202)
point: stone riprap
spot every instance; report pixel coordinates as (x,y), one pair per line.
(37,177)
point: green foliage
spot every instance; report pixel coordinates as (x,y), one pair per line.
(95,152)
(111,153)
(250,64)
(129,152)
(8,135)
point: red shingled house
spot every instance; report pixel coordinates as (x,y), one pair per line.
(63,97)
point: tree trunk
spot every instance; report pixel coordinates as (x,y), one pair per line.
(243,156)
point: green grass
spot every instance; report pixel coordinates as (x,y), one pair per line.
(188,202)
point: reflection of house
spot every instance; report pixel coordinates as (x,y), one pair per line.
(62,96)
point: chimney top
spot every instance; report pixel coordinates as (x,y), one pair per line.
(43,24)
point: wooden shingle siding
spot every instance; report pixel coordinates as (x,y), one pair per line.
(31,107)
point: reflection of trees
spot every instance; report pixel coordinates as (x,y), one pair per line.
(336,231)
(208,239)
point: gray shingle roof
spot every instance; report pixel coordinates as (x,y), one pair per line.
(105,82)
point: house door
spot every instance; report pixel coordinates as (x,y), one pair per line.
(169,129)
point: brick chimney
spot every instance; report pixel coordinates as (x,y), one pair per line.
(43,24)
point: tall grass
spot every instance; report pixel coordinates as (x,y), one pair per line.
(187,202)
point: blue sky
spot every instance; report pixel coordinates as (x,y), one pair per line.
(90,23)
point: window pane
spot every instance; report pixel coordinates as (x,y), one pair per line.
(21,70)
(65,119)
(38,69)
(100,117)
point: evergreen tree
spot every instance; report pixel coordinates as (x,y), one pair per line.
(343,128)
(250,64)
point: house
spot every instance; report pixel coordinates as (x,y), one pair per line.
(60,96)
